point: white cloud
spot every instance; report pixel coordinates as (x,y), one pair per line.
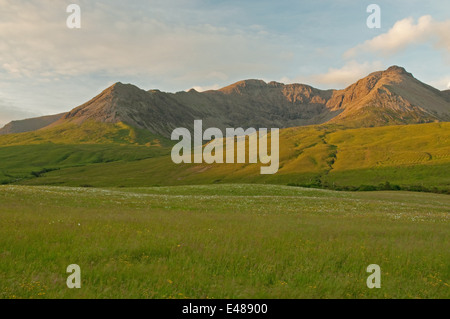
(167,45)
(35,43)
(405,33)
(440,83)
(342,77)
(206,88)
(348,74)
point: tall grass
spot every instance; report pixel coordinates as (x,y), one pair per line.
(222,241)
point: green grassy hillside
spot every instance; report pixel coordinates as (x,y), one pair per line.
(410,155)
(318,156)
(30,155)
(90,132)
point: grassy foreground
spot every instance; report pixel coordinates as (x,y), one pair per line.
(222,241)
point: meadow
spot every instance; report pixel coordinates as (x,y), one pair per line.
(222,241)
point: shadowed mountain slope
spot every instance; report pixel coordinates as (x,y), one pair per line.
(382,98)
(29,125)
(387,97)
(249,103)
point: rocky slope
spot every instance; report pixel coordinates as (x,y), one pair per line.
(250,103)
(29,125)
(387,97)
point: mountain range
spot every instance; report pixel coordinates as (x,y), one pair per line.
(388,97)
(387,129)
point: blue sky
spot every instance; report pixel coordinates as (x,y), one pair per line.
(46,68)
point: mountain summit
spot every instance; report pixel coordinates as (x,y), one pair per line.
(388,97)
(249,103)
(392,96)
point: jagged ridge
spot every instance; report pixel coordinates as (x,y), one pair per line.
(387,97)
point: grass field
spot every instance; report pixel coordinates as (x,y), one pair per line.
(222,241)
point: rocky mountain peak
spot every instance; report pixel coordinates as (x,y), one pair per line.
(244,86)
(397,70)
(392,96)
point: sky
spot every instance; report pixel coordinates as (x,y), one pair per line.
(48,68)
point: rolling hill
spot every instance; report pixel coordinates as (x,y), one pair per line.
(406,156)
